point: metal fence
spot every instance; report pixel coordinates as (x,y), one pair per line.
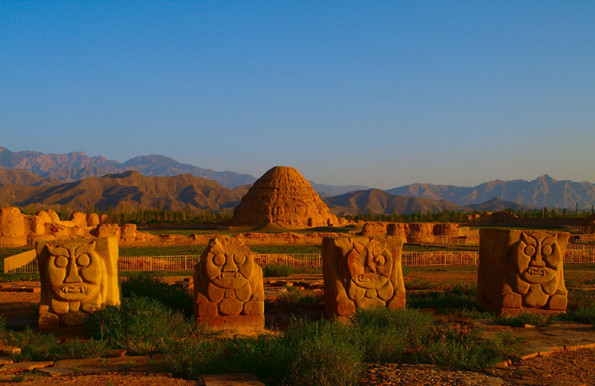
(440,258)
(574,254)
(311,260)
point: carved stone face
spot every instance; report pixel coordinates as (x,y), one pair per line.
(229,267)
(75,271)
(370,266)
(537,258)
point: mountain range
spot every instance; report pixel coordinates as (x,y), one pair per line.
(127,190)
(76,179)
(543,191)
(77,165)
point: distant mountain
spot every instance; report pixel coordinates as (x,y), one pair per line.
(129,189)
(76,166)
(377,201)
(497,205)
(543,191)
(23,177)
(334,190)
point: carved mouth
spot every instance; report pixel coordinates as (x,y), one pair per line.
(229,275)
(370,280)
(74,289)
(536,271)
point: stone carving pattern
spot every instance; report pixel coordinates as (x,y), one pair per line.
(535,273)
(366,273)
(227,281)
(76,277)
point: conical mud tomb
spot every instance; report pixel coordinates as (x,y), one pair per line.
(284,197)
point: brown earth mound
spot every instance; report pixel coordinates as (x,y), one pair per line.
(282,196)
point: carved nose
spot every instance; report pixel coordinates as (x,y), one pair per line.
(537,261)
(230,265)
(72,275)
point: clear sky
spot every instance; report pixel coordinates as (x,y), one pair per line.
(381,93)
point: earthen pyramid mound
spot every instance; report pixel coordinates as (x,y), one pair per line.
(282,196)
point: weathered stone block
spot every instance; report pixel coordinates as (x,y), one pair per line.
(362,272)
(228,287)
(521,271)
(77,278)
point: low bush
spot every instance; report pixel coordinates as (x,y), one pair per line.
(36,346)
(457,300)
(174,297)
(321,352)
(293,298)
(387,335)
(140,325)
(467,350)
(271,270)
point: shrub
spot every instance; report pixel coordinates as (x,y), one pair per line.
(386,335)
(468,351)
(36,346)
(323,353)
(174,297)
(271,270)
(455,301)
(293,298)
(141,325)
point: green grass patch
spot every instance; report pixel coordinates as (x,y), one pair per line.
(174,297)
(140,325)
(458,300)
(36,346)
(467,350)
(522,319)
(321,352)
(292,299)
(10,277)
(579,267)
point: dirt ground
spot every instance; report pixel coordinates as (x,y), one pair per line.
(564,368)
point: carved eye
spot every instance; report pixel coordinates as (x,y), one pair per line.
(239,259)
(61,261)
(219,259)
(83,260)
(546,250)
(529,250)
(379,260)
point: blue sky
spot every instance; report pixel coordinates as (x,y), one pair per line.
(377,93)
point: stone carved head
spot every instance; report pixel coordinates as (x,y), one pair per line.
(79,275)
(370,266)
(535,263)
(228,267)
(227,280)
(537,257)
(76,272)
(362,272)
